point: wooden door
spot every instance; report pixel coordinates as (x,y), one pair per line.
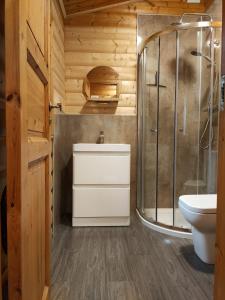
(219,290)
(28,148)
(3,263)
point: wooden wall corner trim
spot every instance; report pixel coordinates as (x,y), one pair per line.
(62,7)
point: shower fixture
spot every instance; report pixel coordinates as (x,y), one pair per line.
(216,44)
(171,133)
(202,16)
(210,109)
(199,54)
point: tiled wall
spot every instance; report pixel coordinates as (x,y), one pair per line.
(71,129)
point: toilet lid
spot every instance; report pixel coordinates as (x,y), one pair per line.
(206,204)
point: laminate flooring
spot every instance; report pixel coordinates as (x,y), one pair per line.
(126,263)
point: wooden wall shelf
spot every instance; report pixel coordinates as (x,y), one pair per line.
(102,85)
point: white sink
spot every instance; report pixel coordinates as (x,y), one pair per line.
(101,147)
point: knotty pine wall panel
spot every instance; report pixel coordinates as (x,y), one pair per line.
(57,55)
(100,39)
(108,38)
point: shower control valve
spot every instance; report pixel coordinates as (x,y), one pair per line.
(154,130)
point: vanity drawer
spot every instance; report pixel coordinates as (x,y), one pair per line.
(101,169)
(101,202)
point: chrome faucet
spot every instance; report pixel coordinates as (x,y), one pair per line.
(101,138)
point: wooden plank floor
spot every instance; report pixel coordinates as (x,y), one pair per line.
(133,263)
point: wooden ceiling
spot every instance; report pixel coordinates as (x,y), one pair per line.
(78,7)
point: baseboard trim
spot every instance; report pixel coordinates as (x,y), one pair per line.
(105,221)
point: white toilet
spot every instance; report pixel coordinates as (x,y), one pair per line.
(200,212)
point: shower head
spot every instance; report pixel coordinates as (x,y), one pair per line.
(199,54)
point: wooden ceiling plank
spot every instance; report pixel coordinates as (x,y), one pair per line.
(73,8)
(143,8)
(77,5)
(100,8)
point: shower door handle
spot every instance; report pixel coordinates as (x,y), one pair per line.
(154,130)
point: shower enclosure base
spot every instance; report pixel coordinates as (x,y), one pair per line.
(165,216)
(165,230)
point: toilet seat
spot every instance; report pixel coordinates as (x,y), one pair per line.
(202,204)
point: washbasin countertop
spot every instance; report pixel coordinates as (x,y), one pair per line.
(84,147)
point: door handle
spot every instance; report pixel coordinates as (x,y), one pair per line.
(52,106)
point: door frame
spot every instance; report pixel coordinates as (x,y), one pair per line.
(219,286)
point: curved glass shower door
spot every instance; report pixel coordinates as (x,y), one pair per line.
(178,84)
(194,115)
(148,109)
(166,121)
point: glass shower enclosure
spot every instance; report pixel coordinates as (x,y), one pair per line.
(178,93)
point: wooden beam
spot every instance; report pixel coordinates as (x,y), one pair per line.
(100,8)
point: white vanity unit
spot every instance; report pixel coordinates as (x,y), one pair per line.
(101,185)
